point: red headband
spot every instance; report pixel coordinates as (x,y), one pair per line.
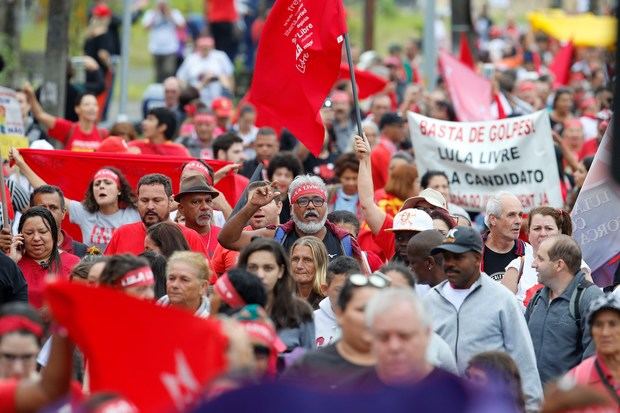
(12,323)
(142,276)
(307,189)
(226,290)
(204,117)
(199,167)
(107,174)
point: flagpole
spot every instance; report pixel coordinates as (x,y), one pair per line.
(356,106)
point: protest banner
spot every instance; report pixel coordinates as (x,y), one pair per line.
(483,158)
(596,216)
(11,124)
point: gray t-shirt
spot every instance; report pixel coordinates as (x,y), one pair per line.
(97,228)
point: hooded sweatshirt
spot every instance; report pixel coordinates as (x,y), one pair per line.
(325,324)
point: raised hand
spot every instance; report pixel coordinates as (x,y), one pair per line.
(361,147)
(264,195)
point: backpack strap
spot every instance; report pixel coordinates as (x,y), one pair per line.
(574,308)
(522,264)
(532,304)
(280,235)
(347,245)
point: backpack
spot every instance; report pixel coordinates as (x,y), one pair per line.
(345,242)
(574,306)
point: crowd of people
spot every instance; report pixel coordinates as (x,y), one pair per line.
(349,270)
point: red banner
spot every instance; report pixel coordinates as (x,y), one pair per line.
(159,358)
(297,63)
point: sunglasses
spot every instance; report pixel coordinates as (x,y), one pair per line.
(373,280)
(316,201)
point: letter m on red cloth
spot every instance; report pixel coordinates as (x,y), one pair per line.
(297,63)
(160,358)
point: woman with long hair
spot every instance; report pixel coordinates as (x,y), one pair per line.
(309,261)
(109,202)
(402,184)
(291,315)
(35,250)
(165,238)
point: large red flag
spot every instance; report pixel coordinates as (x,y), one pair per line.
(465,55)
(560,66)
(297,63)
(367,82)
(470,92)
(160,358)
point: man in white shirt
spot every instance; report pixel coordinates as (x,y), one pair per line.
(162,23)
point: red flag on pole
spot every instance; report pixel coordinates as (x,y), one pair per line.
(159,358)
(560,66)
(465,55)
(470,92)
(297,63)
(368,83)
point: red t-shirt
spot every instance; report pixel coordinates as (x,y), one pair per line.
(220,11)
(381,244)
(74,138)
(129,239)
(8,388)
(223,260)
(210,240)
(167,148)
(380,158)
(241,182)
(35,275)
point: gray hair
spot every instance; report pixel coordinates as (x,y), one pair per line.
(494,206)
(370,124)
(305,180)
(388,298)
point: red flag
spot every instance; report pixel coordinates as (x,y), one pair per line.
(160,358)
(560,66)
(465,55)
(470,92)
(368,83)
(297,63)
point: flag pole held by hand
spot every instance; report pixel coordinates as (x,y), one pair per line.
(356,106)
(5,210)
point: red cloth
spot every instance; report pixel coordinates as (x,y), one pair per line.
(220,11)
(9,204)
(165,149)
(589,148)
(465,55)
(159,358)
(129,239)
(470,93)
(380,158)
(297,63)
(385,239)
(241,182)
(586,374)
(210,240)
(367,82)
(560,66)
(74,138)
(58,168)
(8,389)
(223,260)
(35,275)
(389,203)
(531,292)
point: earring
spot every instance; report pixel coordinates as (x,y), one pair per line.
(429,267)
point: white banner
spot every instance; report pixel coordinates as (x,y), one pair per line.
(482,158)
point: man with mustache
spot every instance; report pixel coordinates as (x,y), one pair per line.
(308,198)
(504,215)
(473,313)
(154,202)
(196,205)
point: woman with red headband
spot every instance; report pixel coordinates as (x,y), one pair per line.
(130,274)
(21,330)
(109,202)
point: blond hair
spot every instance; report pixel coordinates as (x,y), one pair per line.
(194,259)
(319,255)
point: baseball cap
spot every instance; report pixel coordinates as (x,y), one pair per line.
(222,107)
(114,144)
(102,10)
(429,195)
(390,118)
(411,220)
(460,240)
(609,301)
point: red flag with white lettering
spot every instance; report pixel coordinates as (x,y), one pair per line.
(297,63)
(470,92)
(159,358)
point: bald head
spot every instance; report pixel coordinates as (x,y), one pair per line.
(428,268)
(420,245)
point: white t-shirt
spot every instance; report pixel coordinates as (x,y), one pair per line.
(456,296)
(195,66)
(163,38)
(529,278)
(97,228)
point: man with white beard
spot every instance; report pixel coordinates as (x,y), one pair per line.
(308,197)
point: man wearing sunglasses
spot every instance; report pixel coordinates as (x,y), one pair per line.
(308,198)
(473,313)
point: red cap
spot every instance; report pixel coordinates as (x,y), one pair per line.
(222,107)
(114,144)
(340,96)
(102,10)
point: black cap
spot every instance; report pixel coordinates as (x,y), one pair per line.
(609,301)
(460,240)
(390,118)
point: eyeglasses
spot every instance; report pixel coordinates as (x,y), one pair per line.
(317,201)
(374,280)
